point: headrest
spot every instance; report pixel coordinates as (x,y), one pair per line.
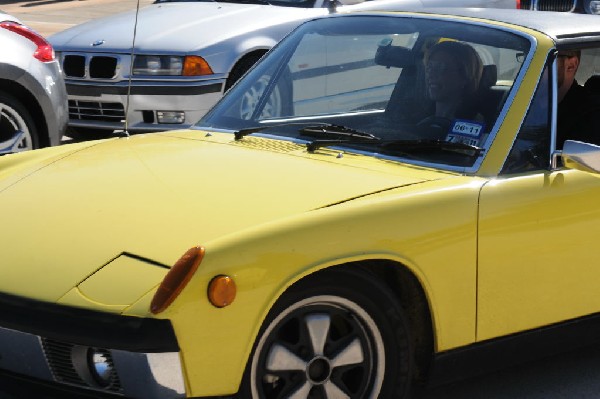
(489,76)
(593,84)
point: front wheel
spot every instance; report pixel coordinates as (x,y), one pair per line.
(273,106)
(337,335)
(591,6)
(17,128)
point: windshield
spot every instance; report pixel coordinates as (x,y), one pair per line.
(425,90)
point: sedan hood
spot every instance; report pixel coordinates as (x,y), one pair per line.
(198,25)
(154,196)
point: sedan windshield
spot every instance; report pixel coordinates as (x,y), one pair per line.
(426,90)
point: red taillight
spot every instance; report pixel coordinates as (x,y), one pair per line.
(518,4)
(44,51)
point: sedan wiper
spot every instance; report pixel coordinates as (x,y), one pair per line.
(427,145)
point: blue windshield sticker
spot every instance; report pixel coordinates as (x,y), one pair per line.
(466,132)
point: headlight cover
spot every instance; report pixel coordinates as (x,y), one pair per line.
(170,65)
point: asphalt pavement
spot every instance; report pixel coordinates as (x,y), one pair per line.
(51,16)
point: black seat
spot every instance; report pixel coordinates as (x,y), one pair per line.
(593,84)
(408,102)
(489,77)
(491,96)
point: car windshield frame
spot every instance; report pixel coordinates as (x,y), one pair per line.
(274,127)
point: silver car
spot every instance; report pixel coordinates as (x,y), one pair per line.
(185,55)
(33,97)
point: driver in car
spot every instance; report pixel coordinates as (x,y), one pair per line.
(452,73)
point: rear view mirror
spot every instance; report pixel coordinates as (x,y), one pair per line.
(394,56)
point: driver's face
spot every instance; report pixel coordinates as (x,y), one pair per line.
(443,78)
(561,70)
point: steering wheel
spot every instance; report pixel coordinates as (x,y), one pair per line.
(434,127)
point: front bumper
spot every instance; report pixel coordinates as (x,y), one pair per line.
(55,344)
(105,106)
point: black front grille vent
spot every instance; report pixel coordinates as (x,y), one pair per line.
(70,364)
(92,67)
(556,5)
(74,66)
(96,111)
(549,5)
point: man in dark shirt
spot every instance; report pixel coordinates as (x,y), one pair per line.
(578,110)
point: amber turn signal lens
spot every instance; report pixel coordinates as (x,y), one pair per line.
(221,291)
(196,66)
(177,278)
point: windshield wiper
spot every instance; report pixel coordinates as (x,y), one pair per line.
(335,134)
(310,129)
(239,134)
(343,135)
(428,145)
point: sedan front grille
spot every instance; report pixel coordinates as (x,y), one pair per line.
(549,5)
(526,4)
(96,111)
(91,67)
(556,5)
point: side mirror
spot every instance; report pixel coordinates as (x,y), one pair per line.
(581,156)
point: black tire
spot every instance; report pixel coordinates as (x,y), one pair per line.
(338,334)
(83,134)
(17,127)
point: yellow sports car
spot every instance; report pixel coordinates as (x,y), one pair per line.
(381,202)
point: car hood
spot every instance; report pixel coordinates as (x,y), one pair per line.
(178,27)
(154,196)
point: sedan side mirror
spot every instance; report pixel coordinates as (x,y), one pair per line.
(581,156)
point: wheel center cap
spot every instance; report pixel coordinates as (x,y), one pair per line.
(318,370)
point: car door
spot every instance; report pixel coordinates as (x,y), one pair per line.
(538,236)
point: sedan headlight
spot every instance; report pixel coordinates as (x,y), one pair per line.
(170,65)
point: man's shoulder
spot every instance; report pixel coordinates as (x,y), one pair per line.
(588,95)
(579,90)
(592,84)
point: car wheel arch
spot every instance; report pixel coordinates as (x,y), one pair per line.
(32,105)
(405,286)
(242,64)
